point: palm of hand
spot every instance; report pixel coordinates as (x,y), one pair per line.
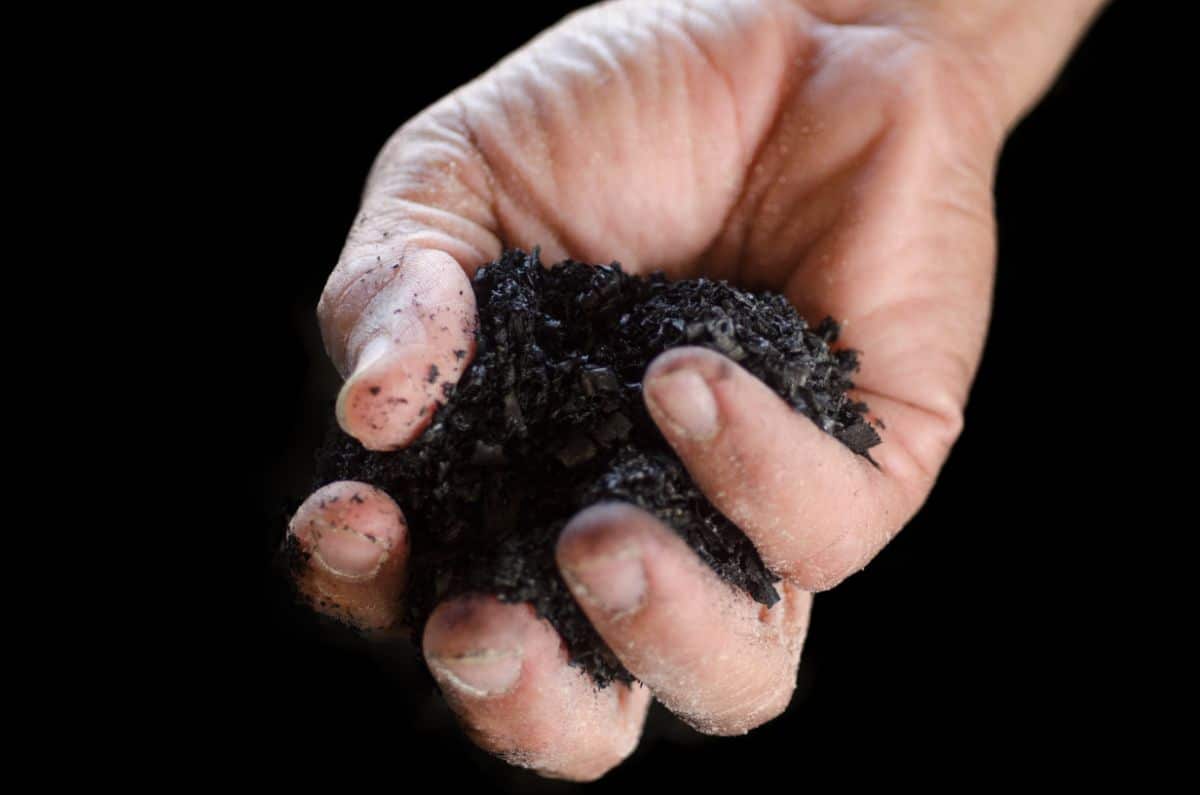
(848,166)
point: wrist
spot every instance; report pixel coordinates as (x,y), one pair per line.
(1015,48)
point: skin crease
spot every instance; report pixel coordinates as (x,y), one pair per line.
(841,152)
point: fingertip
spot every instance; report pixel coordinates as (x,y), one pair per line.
(350,528)
(348,545)
(479,647)
(384,403)
(609,554)
(678,389)
(409,346)
(707,363)
(460,625)
(600,529)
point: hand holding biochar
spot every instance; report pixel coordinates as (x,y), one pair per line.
(549,419)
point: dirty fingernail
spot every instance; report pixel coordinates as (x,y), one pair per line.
(348,553)
(684,398)
(487,672)
(615,583)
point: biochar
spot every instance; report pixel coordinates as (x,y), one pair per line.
(549,419)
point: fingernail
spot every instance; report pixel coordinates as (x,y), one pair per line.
(347,553)
(487,672)
(685,400)
(371,354)
(615,583)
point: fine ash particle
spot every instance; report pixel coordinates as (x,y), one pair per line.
(549,419)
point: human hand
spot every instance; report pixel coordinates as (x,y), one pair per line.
(838,152)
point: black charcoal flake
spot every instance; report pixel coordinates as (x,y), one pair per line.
(549,419)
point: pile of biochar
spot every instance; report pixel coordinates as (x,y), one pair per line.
(549,419)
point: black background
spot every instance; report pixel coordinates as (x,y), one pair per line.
(960,643)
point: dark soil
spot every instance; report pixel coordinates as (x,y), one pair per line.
(549,419)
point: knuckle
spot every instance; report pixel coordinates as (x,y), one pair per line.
(818,580)
(950,427)
(777,700)
(595,766)
(749,715)
(831,567)
(540,748)
(758,699)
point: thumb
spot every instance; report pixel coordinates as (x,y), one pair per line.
(398,313)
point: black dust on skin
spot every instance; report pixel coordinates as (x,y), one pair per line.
(549,419)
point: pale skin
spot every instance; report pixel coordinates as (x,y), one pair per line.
(841,152)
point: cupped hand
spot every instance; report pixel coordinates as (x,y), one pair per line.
(839,152)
